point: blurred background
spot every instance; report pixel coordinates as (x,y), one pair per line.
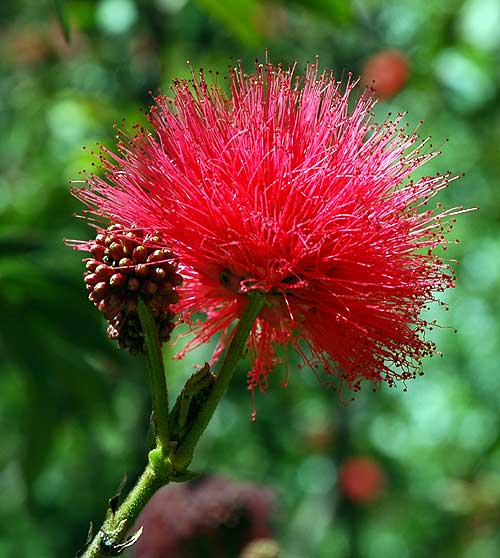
(394,474)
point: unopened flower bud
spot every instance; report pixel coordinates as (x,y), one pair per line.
(133,284)
(139,254)
(141,270)
(117,280)
(116,250)
(124,267)
(92,279)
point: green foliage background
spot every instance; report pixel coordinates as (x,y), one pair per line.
(74,410)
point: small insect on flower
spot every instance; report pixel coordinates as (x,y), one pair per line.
(272,183)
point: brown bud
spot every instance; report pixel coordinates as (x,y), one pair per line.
(128,246)
(149,287)
(116,250)
(118,274)
(113,306)
(157,256)
(158,273)
(139,254)
(133,284)
(97,251)
(91,265)
(125,262)
(104,272)
(103,305)
(96,297)
(118,280)
(92,279)
(141,270)
(101,287)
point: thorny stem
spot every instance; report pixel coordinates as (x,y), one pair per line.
(166,460)
(157,381)
(184,453)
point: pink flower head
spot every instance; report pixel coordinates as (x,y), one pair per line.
(279,186)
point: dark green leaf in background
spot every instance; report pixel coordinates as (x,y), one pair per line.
(60,6)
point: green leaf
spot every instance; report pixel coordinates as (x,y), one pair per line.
(239,17)
(62,17)
(339,12)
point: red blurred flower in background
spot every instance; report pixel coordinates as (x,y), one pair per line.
(211,516)
(279,187)
(387,72)
(361,479)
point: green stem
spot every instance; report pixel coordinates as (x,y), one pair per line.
(157,381)
(184,453)
(116,525)
(164,458)
(157,472)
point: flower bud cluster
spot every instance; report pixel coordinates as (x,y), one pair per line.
(125,266)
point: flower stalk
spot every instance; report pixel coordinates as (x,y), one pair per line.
(184,453)
(108,541)
(157,381)
(168,461)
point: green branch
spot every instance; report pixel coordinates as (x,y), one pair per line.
(157,381)
(184,453)
(168,461)
(108,541)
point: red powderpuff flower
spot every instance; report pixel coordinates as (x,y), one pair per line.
(361,479)
(279,187)
(211,516)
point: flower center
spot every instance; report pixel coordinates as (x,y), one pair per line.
(236,283)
